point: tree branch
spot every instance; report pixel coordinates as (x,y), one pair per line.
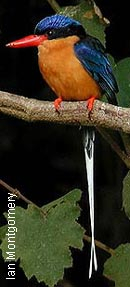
(71,113)
(19,195)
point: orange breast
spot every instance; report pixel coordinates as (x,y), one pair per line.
(64,72)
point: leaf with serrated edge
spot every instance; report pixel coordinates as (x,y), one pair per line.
(43,241)
(117,267)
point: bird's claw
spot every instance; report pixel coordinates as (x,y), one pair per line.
(57,104)
(90,103)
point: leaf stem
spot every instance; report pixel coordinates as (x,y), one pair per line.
(115,146)
(100,245)
(55,6)
(126,141)
(19,195)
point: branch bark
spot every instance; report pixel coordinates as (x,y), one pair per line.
(71,113)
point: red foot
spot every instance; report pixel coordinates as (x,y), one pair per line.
(57,103)
(90,103)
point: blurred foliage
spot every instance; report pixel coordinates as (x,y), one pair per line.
(126,194)
(117,267)
(85,13)
(122,73)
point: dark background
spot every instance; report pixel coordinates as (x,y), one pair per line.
(45,161)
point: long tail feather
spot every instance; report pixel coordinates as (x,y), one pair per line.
(89,137)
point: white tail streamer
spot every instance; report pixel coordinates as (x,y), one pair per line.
(89,137)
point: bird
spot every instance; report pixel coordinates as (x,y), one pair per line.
(71,61)
(76,67)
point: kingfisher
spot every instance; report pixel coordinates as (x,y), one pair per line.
(76,67)
(72,62)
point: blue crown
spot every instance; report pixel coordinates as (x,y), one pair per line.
(55,22)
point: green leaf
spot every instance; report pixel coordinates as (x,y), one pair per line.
(122,73)
(126,194)
(3,230)
(43,241)
(118,266)
(85,14)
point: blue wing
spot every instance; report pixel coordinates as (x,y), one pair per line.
(91,54)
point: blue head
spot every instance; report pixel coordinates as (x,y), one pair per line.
(58,26)
(53,27)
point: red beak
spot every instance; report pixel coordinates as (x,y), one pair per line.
(28,41)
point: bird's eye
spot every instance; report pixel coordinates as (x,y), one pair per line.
(68,29)
(50,32)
